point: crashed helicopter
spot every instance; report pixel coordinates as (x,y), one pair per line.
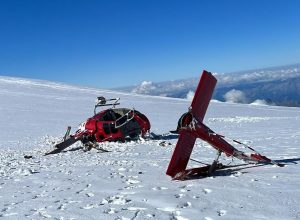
(121,124)
(112,124)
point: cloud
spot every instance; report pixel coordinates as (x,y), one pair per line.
(235,96)
(190,95)
(264,75)
(145,88)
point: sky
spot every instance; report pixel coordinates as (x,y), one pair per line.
(115,43)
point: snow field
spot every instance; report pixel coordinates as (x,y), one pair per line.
(130,182)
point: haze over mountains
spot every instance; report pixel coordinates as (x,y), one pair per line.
(275,86)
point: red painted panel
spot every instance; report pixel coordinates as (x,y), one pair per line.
(203,95)
(182,153)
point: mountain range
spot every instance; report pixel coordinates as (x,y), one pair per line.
(272,86)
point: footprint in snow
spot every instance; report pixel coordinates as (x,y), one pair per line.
(132,181)
(6,208)
(116,200)
(132,187)
(56,188)
(62,206)
(206,191)
(177,215)
(110,211)
(89,206)
(185,188)
(41,212)
(236,174)
(85,189)
(184,205)
(90,194)
(179,196)
(112,175)
(159,188)
(222,212)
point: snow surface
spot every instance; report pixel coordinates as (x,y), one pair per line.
(130,182)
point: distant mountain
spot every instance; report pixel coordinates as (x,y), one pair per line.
(276,85)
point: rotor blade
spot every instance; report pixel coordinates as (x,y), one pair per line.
(182,153)
(203,95)
(63,145)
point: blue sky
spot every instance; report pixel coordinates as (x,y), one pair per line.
(117,43)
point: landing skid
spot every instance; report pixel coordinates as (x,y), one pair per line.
(203,172)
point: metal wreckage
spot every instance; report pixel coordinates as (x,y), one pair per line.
(123,124)
(112,124)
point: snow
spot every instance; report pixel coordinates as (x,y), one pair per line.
(235,96)
(259,102)
(130,181)
(190,95)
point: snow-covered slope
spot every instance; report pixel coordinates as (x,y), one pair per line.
(130,182)
(277,85)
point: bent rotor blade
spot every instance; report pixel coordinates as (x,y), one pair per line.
(63,145)
(182,153)
(203,95)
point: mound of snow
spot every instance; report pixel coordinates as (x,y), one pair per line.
(259,102)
